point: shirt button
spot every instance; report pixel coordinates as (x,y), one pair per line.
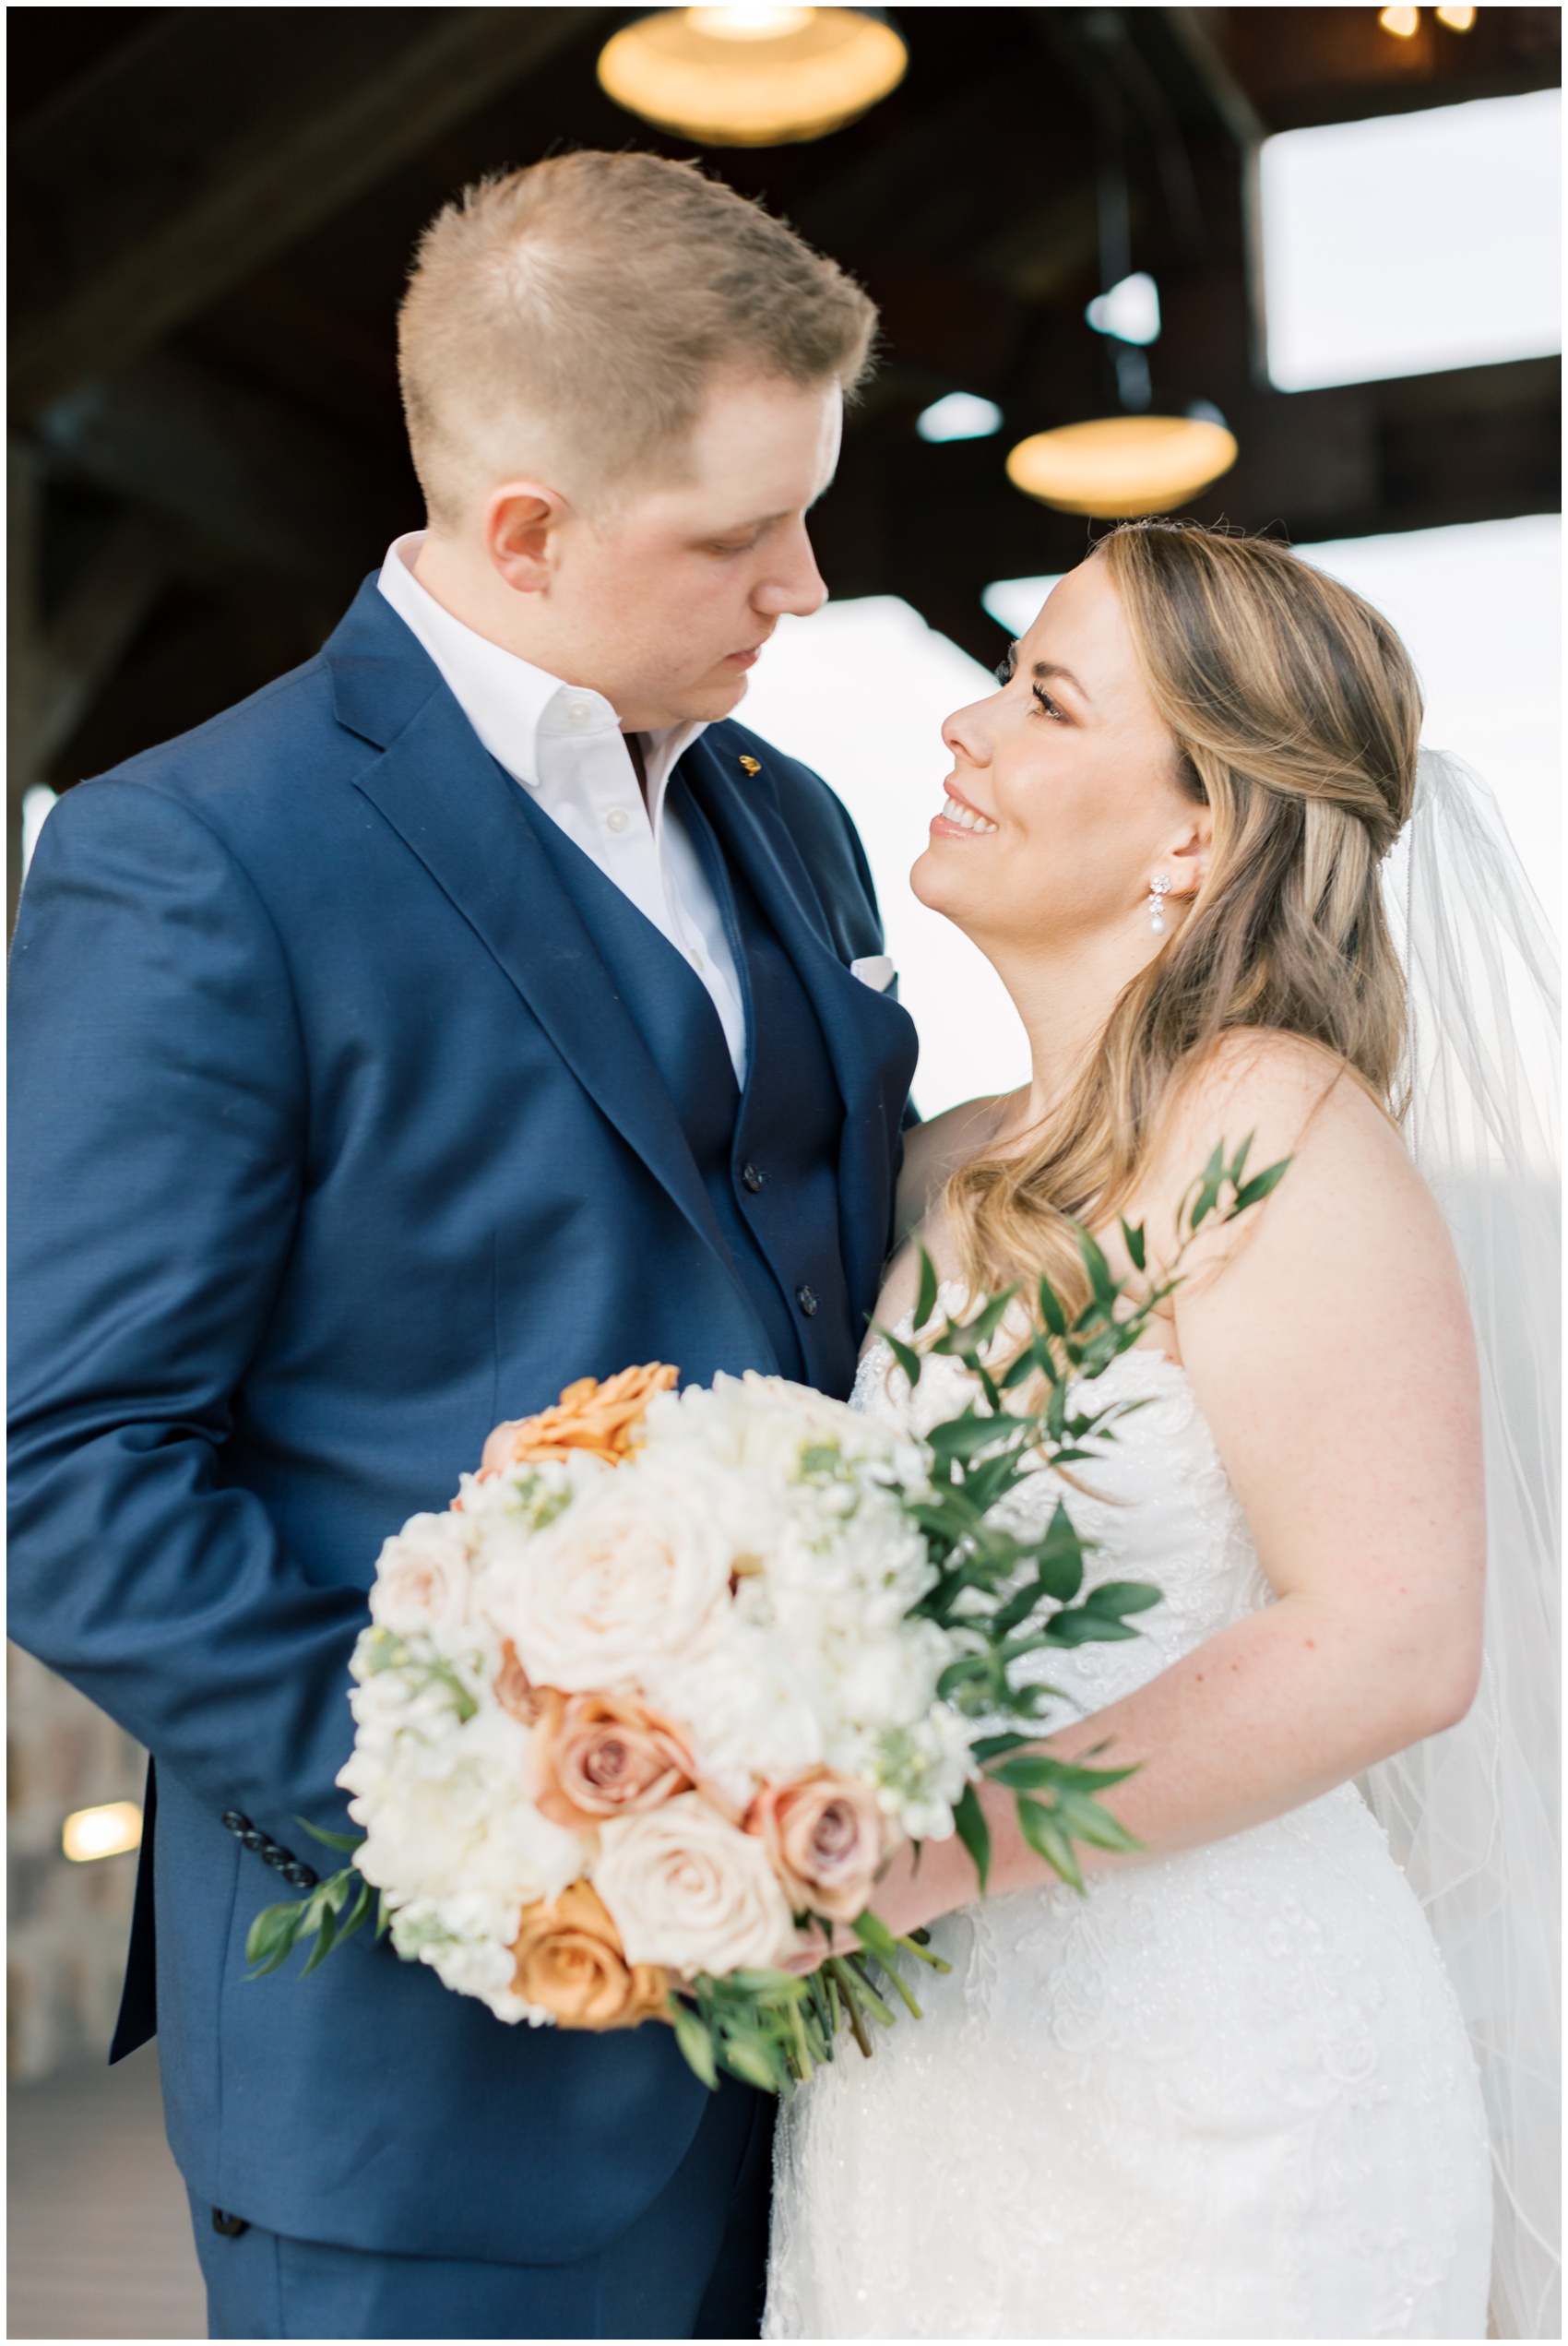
(617,819)
(806,1298)
(697,961)
(577,712)
(751,1178)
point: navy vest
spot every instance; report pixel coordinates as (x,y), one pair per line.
(769,1159)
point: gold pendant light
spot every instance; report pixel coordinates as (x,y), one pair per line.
(752,76)
(1120,467)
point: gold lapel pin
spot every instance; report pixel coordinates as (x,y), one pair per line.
(752,765)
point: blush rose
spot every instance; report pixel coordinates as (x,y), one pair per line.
(827,1838)
(595,1756)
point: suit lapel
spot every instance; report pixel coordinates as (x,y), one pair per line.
(450,802)
(869,1039)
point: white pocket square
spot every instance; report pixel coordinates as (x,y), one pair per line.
(874,970)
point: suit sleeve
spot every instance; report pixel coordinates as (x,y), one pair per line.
(158,1131)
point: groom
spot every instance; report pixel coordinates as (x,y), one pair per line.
(473,1010)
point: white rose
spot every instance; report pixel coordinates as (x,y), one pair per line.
(637,1569)
(689,1890)
(422,1578)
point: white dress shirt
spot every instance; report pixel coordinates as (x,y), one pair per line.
(565,745)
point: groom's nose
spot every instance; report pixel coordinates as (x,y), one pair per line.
(793,583)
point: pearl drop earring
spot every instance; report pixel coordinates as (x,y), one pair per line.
(1158,889)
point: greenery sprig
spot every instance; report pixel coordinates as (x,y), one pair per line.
(1006,1598)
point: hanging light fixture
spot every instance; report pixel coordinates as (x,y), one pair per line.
(752,76)
(1121,467)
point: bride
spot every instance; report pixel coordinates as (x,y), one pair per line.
(1228,2092)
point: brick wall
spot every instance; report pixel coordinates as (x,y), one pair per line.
(69,1925)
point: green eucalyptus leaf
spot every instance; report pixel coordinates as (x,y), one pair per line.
(966,1437)
(968,1818)
(905,1354)
(1081,1628)
(752,2060)
(1133,1239)
(1208,1188)
(331,1840)
(1086,1821)
(1050,1309)
(1261,1185)
(695,2042)
(991,1747)
(1117,1597)
(1045,1837)
(925,1300)
(273,1933)
(324,1939)
(1106,1289)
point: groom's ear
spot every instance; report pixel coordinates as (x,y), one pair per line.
(522,523)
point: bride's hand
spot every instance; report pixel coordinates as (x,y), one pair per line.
(812,1949)
(922,1885)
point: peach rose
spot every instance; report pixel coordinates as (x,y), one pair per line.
(589,1416)
(826,1837)
(569,1962)
(597,1756)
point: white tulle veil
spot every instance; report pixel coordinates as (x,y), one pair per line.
(1473,1814)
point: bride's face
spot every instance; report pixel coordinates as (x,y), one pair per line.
(1073,778)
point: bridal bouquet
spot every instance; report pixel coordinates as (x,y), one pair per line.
(675,1673)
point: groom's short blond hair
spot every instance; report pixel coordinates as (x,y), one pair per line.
(566,320)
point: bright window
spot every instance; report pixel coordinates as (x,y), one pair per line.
(1413,243)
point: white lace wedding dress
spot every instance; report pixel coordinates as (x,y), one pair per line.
(1227,2094)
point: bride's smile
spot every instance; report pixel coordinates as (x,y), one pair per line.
(1068,780)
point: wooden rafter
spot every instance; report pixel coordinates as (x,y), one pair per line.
(299,162)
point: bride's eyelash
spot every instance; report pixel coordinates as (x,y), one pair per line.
(1002,671)
(1049,707)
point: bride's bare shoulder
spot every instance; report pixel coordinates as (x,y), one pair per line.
(936,1149)
(931,1151)
(1288,1099)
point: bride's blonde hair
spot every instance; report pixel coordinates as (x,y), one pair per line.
(1296,716)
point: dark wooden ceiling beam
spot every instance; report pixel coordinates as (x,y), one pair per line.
(336,133)
(251,480)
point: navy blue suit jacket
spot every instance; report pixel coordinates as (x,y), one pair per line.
(333,1145)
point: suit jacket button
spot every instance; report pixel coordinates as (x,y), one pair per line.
(303,1878)
(806,1298)
(278,1859)
(751,1178)
(234,1821)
